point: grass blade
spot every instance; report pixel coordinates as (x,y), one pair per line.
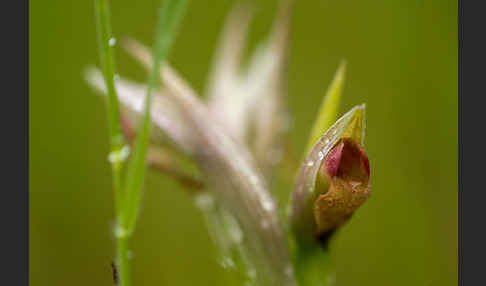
(170,14)
(329,107)
(108,66)
(113,109)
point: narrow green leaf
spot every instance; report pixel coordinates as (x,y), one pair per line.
(108,66)
(118,153)
(113,110)
(170,15)
(329,108)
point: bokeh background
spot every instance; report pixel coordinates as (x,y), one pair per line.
(402,61)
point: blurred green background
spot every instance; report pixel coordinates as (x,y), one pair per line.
(402,61)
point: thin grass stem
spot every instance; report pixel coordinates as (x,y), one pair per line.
(112,106)
(117,152)
(123,253)
(170,15)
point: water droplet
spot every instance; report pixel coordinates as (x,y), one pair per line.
(112,42)
(326,141)
(204,201)
(310,163)
(334,132)
(120,155)
(227,263)
(268,205)
(233,228)
(120,231)
(321,155)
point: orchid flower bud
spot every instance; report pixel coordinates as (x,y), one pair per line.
(333,181)
(346,171)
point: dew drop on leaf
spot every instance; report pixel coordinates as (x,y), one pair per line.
(112,42)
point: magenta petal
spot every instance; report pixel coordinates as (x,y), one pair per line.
(366,163)
(333,159)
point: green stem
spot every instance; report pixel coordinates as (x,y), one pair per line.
(113,109)
(123,257)
(314,266)
(117,155)
(170,16)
